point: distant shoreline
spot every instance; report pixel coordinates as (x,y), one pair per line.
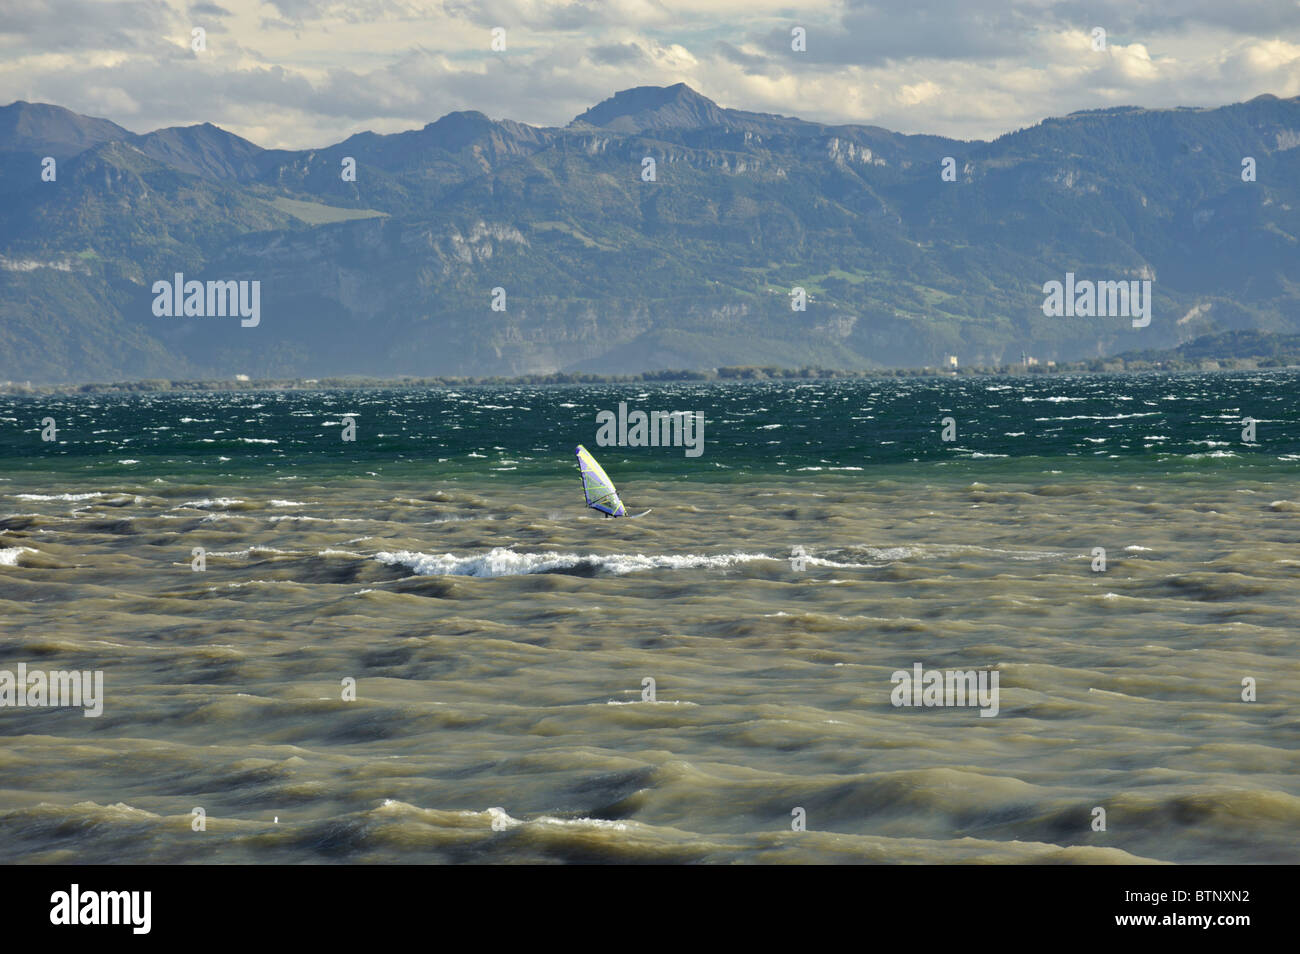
(1116,366)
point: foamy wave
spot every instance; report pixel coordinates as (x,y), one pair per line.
(942,551)
(208,503)
(59,496)
(501,820)
(1099,417)
(9,555)
(504,562)
(249,551)
(306,519)
(822,561)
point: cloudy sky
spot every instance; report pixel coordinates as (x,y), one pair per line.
(301,73)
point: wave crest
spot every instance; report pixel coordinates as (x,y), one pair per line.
(502,561)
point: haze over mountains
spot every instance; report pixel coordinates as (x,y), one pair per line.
(393,273)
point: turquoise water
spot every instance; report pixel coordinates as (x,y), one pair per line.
(1087,423)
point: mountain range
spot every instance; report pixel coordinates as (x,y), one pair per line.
(598,260)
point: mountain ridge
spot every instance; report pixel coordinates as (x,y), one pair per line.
(607,271)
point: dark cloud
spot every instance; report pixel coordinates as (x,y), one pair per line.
(872,34)
(572,16)
(209,10)
(877,32)
(351,11)
(300,10)
(753,64)
(617,54)
(1139,21)
(46,26)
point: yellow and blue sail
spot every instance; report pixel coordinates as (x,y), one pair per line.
(596,484)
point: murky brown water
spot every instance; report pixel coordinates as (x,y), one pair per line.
(499,639)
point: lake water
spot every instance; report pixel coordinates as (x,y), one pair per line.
(500,635)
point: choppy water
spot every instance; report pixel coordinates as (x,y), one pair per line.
(499,636)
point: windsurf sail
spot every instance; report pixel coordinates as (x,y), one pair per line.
(596,484)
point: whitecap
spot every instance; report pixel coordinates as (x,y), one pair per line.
(9,555)
(501,561)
